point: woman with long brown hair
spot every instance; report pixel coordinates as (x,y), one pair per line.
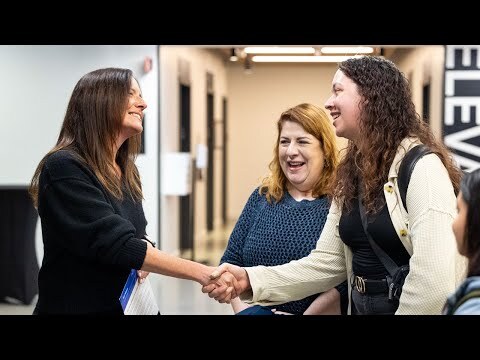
(89,197)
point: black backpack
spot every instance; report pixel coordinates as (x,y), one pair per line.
(397,274)
(406,168)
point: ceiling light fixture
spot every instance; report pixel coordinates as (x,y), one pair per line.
(346,50)
(279,50)
(309,59)
(233,55)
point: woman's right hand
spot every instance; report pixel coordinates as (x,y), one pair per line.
(232,276)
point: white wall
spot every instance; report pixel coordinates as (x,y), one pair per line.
(255,103)
(37,82)
(425,64)
(200,61)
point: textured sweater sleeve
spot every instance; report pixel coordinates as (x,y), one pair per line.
(234,250)
(71,203)
(321,270)
(431,209)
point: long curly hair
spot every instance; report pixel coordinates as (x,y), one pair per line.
(316,122)
(90,128)
(387,117)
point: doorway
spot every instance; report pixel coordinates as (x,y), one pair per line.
(211,151)
(186,206)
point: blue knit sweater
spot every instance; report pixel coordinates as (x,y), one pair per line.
(275,233)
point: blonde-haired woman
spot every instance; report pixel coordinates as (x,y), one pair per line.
(284,216)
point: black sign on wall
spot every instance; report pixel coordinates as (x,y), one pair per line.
(461,120)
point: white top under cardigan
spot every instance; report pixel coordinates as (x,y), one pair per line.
(436,268)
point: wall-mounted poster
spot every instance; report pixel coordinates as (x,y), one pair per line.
(461,118)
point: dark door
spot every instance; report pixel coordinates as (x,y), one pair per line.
(186,208)
(224,162)
(210,165)
(426,102)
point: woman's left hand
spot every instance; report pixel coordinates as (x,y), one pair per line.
(142,275)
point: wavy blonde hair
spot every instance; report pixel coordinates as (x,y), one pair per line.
(316,122)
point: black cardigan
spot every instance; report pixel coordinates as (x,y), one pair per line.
(91,240)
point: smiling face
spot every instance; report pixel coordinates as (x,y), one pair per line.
(301,158)
(459,224)
(344,106)
(132,121)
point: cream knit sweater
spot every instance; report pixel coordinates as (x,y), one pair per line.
(436,268)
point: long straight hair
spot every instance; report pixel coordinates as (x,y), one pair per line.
(90,128)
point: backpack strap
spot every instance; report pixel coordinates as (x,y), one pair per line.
(465,298)
(406,168)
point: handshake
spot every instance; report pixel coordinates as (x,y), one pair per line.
(226,283)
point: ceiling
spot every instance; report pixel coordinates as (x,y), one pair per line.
(226,51)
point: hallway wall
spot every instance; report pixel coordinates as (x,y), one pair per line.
(422,65)
(200,61)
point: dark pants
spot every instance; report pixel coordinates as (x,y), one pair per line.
(256,310)
(372,304)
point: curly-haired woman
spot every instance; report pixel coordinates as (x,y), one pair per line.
(371,106)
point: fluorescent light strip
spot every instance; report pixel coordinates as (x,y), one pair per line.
(310,59)
(279,50)
(346,50)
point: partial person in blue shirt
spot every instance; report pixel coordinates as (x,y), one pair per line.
(284,216)
(466,227)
